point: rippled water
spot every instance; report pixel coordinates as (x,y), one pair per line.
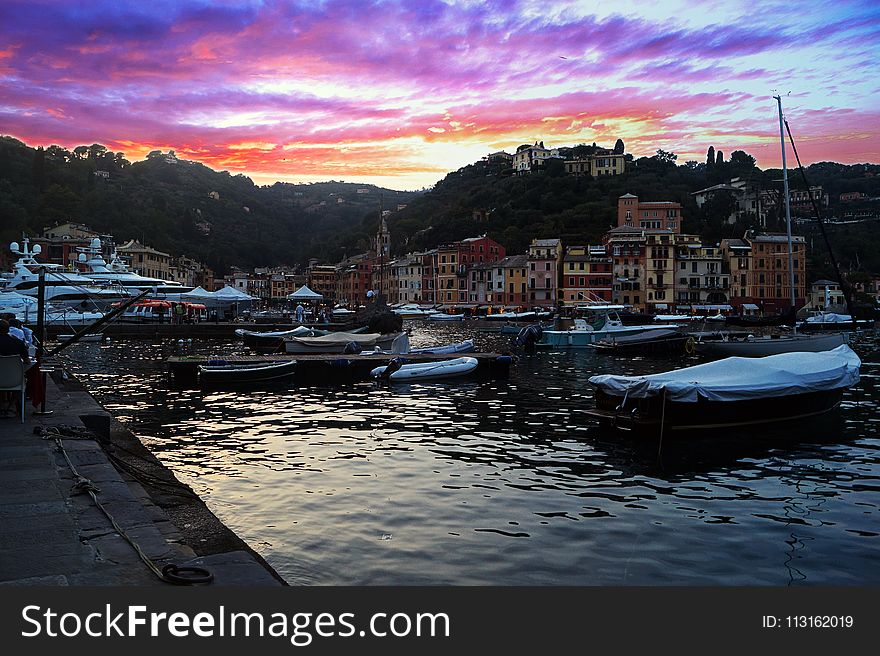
(504,482)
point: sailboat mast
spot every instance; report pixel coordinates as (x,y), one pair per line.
(787,208)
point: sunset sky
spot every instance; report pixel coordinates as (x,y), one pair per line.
(400,93)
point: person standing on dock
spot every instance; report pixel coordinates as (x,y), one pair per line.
(300,312)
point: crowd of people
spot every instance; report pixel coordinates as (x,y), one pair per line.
(314,314)
(16,339)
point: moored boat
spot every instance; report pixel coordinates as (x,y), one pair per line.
(751,346)
(833,321)
(652,341)
(467,346)
(272,339)
(245,372)
(604,325)
(338,342)
(425,370)
(440,316)
(728,393)
(413,312)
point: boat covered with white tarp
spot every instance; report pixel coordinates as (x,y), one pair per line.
(731,392)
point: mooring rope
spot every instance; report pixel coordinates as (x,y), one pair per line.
(169,573)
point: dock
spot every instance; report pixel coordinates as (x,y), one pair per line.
(334,368)
(54,534)
(200,330)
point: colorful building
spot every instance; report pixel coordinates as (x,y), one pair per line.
(586,275)
(545,259)
(648,215)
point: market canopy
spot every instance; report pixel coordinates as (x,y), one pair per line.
(197,293)
(305,294)
(231,294)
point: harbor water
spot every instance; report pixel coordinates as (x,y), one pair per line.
(504,482)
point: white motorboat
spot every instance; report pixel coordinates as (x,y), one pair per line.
(119,273)
(752,346)
(606,324)
(62,287)
(413,312)
(24,308)
(427,370)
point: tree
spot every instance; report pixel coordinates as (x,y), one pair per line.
(96,151)
(554,167)
(665,157)
(39,169)
(741,163)
(154,154)
(710,157)
(619,147)
(719,157)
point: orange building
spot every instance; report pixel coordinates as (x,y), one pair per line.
(648,215)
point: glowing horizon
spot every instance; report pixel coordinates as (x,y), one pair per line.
(399,93)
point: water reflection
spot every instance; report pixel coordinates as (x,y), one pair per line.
(504,482)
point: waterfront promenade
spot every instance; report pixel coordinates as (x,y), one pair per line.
(54,535)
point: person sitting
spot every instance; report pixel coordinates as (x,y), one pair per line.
(10,345)
(18,329)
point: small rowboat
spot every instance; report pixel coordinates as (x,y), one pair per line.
(245,372)
(427,370)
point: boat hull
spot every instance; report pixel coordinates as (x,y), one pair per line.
(644,416)
(466,346)
(246,373)
(763,346)
(565,339)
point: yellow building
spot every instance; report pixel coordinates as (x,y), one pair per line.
(145,260)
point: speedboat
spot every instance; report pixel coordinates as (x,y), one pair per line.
(605,324)
(729,393)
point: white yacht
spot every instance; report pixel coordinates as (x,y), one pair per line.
(63,288)
(119,273)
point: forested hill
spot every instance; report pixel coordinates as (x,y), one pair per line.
(184,207)
(580,209)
